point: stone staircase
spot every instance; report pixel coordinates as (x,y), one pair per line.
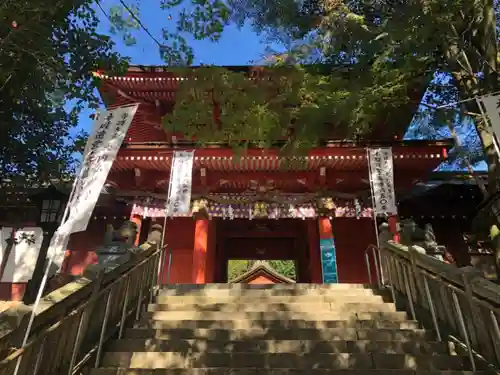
(277,329)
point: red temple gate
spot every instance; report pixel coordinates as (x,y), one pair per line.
(325,197)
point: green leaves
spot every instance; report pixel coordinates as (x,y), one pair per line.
(300,105)
(385,45)
(204,19)
(45,63)
(123,22)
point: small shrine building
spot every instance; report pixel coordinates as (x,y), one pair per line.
(262,273)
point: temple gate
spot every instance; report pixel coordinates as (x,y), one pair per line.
(261,205)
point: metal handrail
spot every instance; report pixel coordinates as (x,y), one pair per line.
(457,303)
(372,249)
(169,266)
(71,343)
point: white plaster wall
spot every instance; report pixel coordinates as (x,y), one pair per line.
(22,259)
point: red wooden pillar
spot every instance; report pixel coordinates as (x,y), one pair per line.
(200,251)
(393,227)
(137,219)
(314,252)
(211,251)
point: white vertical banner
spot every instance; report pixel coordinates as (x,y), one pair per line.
(57,250)
(491,106)
(109,130)
(181,181)
(381,170)
(20,266)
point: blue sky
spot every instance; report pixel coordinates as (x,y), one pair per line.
(236,47)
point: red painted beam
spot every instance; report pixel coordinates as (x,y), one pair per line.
(216,151)
(261,176)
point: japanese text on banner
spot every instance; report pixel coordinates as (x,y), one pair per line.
(382,181)
(179,197)
(109,131)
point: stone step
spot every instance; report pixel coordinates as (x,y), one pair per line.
(272,306)
(255,333)
(249,299)
(267,292)
(250,371)
(238,286)
(347,310)
(238,322)
(337,361)
(347,323)
(280,346)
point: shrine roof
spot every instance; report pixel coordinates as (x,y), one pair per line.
(154,88)
(21,194)
(262,268)
(446,201)
(458,177)
(440,181)
(445,195)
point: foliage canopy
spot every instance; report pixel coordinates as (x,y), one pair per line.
(47,55)
(384,44)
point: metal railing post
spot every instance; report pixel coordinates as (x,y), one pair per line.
(409,294)
(463,328)
(169,266)
(414,272)
(155,278)
(103,329)
(496,330)
(381,270)
(375,252)
(389,276)
(466,280)
(76,346)
(159,270)
(39,357)
(432,308)
(151,278)
(124,308)
(140,297)
(368,266)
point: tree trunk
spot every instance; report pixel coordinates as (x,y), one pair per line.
(8,250)
(38,273)
(465,77)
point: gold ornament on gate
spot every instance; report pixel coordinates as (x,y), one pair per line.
(326,205)
(260,209)
(200,209)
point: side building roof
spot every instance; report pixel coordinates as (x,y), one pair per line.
(262,267)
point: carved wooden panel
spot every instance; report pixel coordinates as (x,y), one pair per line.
(260,248)
(262,227)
